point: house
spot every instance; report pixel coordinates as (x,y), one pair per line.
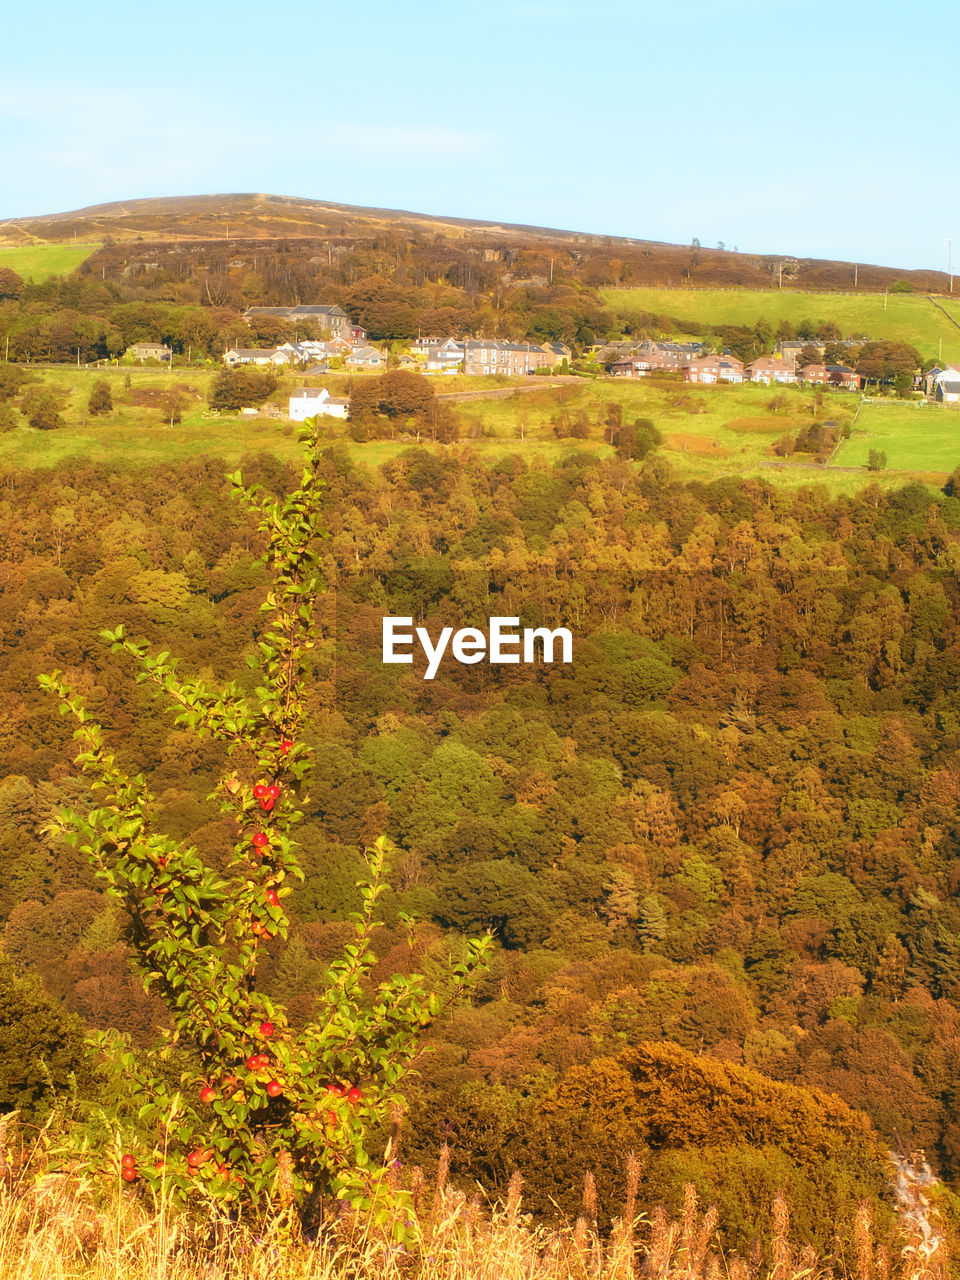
(770,369)
(815,374)
(511,359)
(650,356)
(365,358)
(711,369)
(308,402)
(150,351)
(789,349)
(946,385)
(258,355)
(557,352)
(929,380)
(441,357)
(838,375)
(333,318)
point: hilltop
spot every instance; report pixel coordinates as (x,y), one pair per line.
(595,260)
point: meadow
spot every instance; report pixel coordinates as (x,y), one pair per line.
(903,317)
(709,433)
(37,262)
(915,436)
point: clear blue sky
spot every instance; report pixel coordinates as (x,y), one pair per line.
(772,125)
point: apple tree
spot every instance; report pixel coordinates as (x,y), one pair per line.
(263,1114)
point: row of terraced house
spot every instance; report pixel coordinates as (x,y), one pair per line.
(697,366)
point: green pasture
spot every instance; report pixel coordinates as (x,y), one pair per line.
(916,437)
(39,261)
(709,432)
(902,317)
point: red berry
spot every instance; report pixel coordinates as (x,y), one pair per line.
(272,897)
(223,1168)
(285,745)
(262,1061)
(196,1158)
(266,1029)
(267,803)
(161,863)
(253,1062)
(129,1175)
(354,1095)
(128,1161)
(260,790)
(260,840)
(273,792)
(274,1088)
(207,1094)
(336,1089)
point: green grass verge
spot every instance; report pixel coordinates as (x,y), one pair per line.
(37,262)
(903,317)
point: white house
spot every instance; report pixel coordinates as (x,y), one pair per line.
(257,356)
(946,385)
(307,402)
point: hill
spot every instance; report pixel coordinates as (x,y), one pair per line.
(926,324)
(598,260)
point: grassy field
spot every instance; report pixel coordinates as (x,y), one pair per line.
(903,317)
(38,261)
(709,432)
(916,437)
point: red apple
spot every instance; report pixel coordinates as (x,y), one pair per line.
(260,790)
(267,803)
(273,792)
(129,1175)
(266,1029)
(336,1089)
(285,745)
(354,1095)
(272,897)
(207,1094)
(253,1062)
(128,1161)
(197,1158)
(260,840)
(274,1088)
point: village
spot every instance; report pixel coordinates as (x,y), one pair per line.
(344,347)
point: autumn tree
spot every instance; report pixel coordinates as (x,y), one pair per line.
(100,400)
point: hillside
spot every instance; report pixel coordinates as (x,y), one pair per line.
(595,260)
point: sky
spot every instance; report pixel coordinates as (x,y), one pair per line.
(772,126)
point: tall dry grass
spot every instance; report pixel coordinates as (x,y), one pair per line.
(67,1226)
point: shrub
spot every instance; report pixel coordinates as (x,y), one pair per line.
(267,1115)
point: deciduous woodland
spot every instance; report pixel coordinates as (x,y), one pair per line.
(719,852)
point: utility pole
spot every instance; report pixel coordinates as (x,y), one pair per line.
(856,269)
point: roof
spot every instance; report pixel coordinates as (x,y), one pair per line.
(307,309)
(840,368)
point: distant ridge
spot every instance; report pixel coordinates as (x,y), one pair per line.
(597,260)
